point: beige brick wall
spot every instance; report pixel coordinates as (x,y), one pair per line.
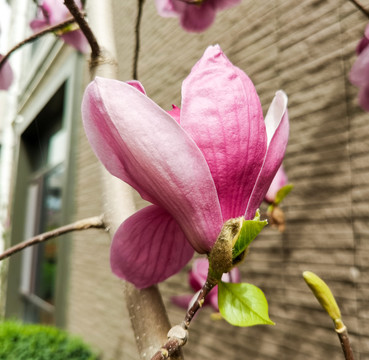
(306,48)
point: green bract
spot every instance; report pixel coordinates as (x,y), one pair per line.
(282,193)
(249,230)
(243,304)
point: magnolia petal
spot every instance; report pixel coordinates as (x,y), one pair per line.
(277,127)
(197,18)
(280,180)
(233,137)
(359,73)
(77,40)
(198,274)
(364,97)
(149,247)
(225,4)
(6,75)
(136,84)
(182,301)
(166,8)
(141,144)
(175,113)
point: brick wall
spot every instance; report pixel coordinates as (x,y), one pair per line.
(306,48)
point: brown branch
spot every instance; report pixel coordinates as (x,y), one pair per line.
(85,28)
(93,222)
(35,36)
(361,8)
(177,336)
(137,36)
(345,343)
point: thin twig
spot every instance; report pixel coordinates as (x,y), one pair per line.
(93,222)
(178,338)
(361,8)
(85,28)
(35,36)
(137,36)
(345,343)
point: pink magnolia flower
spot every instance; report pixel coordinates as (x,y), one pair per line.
(6,75)
(52,12)
(194,15)
(359,74)
(280,180)
(199,166)
(197,277)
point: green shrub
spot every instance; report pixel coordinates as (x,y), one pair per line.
(37,342)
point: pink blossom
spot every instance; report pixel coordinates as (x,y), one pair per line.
(197,277)
(6,75)
(359,74)
(52,12)
(280,180)
(213,160)
(194,15)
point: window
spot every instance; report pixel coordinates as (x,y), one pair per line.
(45,146)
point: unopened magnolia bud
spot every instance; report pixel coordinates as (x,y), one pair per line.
(220,258)
(324,295)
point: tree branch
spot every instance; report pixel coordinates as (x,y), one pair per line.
(361,8)
(345,343)
(137,36)
(93,222)
(35,36)
(177,336)
(85,28)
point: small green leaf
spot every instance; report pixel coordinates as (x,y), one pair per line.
(243,304)
(249,230)
(282,193)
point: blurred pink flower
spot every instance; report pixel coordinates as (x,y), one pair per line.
(280,180)
(359,74)
(52,12)
(200,165)
(6,75)
(197,277)
(194,15)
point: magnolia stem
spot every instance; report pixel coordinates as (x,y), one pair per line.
(361,8)
(93,222)
(85,28)
(35,36)
(345,343)
(177,339)
(137,35)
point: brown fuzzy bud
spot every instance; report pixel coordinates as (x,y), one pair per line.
(220,258)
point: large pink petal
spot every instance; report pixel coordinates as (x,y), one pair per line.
(197,18)
(149,247)
(141,144)
(277,127)
(222,112)
(6,75)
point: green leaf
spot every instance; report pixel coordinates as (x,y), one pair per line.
(249,230)
(243,304)
(282,193)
